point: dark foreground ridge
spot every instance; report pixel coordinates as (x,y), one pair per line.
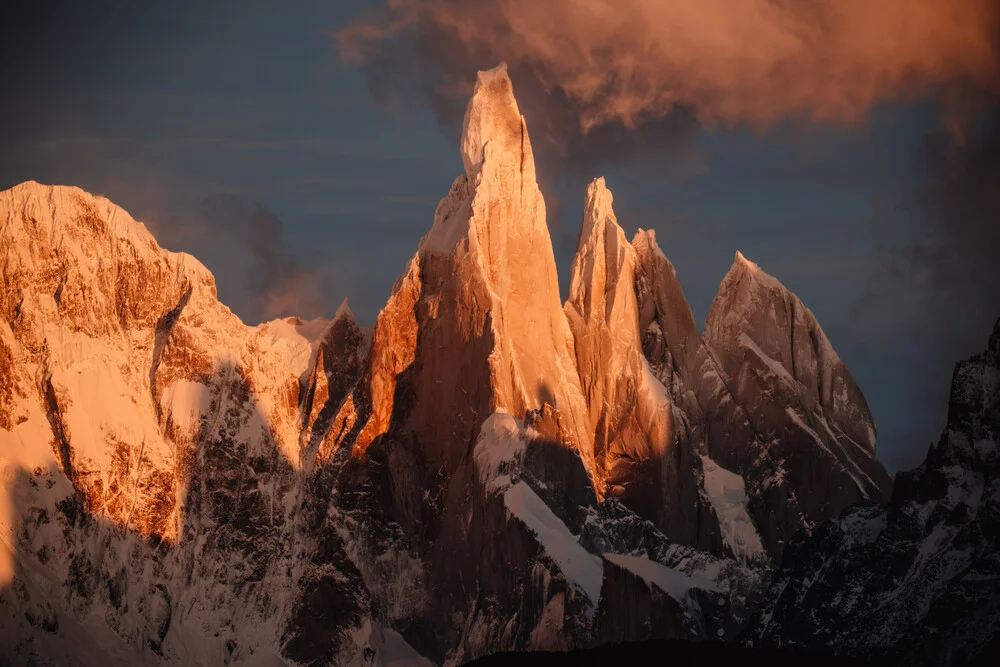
(678,653)
(703,654)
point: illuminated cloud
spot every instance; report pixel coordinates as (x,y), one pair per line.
(729,61)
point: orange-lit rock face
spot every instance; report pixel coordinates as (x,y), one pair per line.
(476,323)
(121,353)
(629,408)
(393,348)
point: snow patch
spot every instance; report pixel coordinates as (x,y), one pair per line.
(862,527)
(291,340)
(774,366)
(582,569)
(727,493)
(672,582)
(986,448)
(391,650)
(654,405)
(499,449)
(800,422)
(102,406)
(185,402)
(23,450)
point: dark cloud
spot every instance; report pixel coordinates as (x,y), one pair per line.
(604,83)
(959,254)
(948,264)
(258,275)
(936,295)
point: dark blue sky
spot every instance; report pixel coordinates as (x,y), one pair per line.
(245,104)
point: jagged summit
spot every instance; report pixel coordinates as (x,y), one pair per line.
(753,305)
(629,408)
(746,276)
(741,260)
(492,116)
(603,264)
(483,288)
(344,311)
(658,268)
(600,205)
(769,344)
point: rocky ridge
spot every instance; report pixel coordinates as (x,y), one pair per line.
(913,581)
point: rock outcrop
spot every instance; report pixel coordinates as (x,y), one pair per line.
(734,405)
(474,328)
(709,426)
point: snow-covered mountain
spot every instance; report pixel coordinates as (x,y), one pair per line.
(485,469)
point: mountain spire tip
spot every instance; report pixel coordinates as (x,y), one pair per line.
(491,117)
(740,260)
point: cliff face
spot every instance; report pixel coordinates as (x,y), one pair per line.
(486,469)
(629,408)
(160,442)
(815,424)
(711,430)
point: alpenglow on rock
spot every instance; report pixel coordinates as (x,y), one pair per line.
(629,408)
(485,469)
(138,413)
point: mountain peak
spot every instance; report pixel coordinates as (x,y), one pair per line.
(480,302)
(344,311)
(629,409)
(747,278)
(600,202)
(755,317)
(598,214)
(741,261)
(604,262)
(647,236)
(491,117)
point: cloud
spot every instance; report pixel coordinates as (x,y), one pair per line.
(936,294)
(604,83)
(278,286)
(633,62)
(432,50)
(947,264)
(244,245)
(961,196)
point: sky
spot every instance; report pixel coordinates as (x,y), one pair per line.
(240,132)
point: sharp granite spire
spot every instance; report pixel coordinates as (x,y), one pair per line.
(629,408)
(479,304)
(769,344)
